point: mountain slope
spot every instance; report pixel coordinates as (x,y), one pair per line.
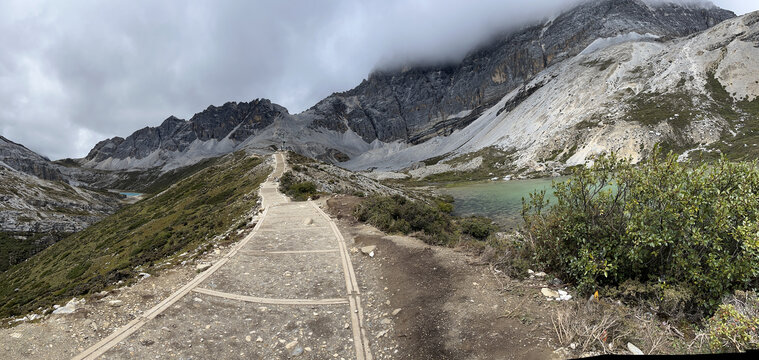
(402,106)
(187,218)
(38,207)
(414,104)
(692,93)
(18,157)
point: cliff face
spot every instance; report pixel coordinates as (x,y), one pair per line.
(409,105)
(415,104)
(36,212)
(38,206)
(18,157)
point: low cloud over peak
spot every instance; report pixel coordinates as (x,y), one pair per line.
(73,73)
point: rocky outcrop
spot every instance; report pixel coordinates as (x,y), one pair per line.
(38,205)
(18,157)
(32,205)
(696,95)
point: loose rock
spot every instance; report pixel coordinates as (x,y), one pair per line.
(549,293)
(291,344)
(69,308)
(368,250)
(634,349)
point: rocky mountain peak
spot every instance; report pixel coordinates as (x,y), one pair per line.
(223,125)
(409,104)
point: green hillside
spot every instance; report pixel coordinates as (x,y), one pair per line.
(183,218)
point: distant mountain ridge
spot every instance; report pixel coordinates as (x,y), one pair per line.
(398,108)
(231,122)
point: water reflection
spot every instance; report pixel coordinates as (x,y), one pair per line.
(498,200)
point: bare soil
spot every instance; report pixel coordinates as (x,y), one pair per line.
(452,307)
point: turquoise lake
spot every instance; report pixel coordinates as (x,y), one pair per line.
(130,194)
(498,200)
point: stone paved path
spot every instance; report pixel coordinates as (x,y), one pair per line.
(286,290)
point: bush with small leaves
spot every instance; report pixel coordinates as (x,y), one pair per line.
(694,229)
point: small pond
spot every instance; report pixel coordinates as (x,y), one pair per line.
(498,200)
(130,194)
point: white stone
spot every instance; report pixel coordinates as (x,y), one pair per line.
(203,266)
(69,308)
(369,250)
(549,293)
(634,349)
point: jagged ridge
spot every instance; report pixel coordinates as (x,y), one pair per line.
(409,105)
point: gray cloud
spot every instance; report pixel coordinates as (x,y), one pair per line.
(75,72)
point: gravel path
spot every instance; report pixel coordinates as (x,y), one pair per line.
(288,289)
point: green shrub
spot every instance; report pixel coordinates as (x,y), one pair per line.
(445,203)
(78,270)
(477,227)
(397,214)
(735,324)
(663,223)
(299,191)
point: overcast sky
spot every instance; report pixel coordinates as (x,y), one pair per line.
(75,72)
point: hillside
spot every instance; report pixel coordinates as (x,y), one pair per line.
(694,95)
(174,225)
(397,108)
(38,206)
(35,213)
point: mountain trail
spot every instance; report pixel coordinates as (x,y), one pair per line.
(289,289)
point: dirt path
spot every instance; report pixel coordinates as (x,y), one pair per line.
(452,306)
(289,289)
